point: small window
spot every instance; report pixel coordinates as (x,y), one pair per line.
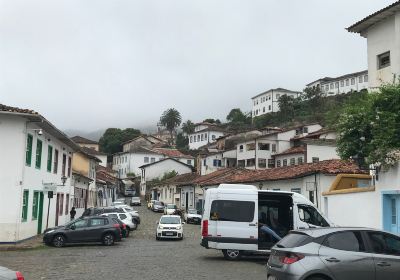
(384,60)
(262,163)
(337,85)
(360,79)
(28,157)
(38,161)
(213,137)
(326,87)
(191,139)
(299,160)
(331,85)
(353,81)
(347,82)
(189,161)
(202,137)
(198,137)
(342,83)
(152,160)
(271,163)
(204,162)
(269,107)
(315,159)
(35,205)
(232,211)
(263,109)
(278,96)
(146,159)
(250,162)
(292,161)
(273,147)
(69,166)
(284,163)
(25,199)
(55,163)
(250,147)
(365,78)
(97,222)
(345,241)
(205,136)
(278,163)
(263,146)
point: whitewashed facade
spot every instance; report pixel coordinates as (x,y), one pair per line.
(268,102)
(382,30)
(33,154)
(204,134)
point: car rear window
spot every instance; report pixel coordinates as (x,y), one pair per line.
(346,241)
(232,211)
(294,240)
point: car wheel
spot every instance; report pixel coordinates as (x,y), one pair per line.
(108,239)
(232,255)
(59,241)
(316,278)
(134,226)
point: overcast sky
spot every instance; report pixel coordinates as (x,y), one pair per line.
(92,64)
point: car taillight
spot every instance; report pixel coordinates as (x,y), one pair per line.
(117,226)
(204,231)
(290,258)
(19,275)
(123,226)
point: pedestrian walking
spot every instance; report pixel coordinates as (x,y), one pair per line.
(72,213)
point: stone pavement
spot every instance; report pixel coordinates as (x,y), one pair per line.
(138,257)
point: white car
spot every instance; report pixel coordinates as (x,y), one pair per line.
(170,226)
(170,209)
(118,203)
(125,218)
(129,210)
(191,216)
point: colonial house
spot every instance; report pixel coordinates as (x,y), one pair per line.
(143,141)
(343,84)
(128,163)
(204,134)
(106,185)
(268,102)
(212,160)
(91,147)
(378,201)
(84,180)
(258,152)
(382,31)
(157,169)
(35,163)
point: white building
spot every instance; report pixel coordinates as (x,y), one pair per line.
(213,161)
(268,102)
(343,84)
(257,153)
(36,158)
(204,134)
(157,169)
(382,30)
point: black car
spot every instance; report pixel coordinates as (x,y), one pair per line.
(83,230)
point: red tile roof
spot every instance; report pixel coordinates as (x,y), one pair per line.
(83,140)
(293,150)
(173,153)
(10,109)
(239,175)
(101,175)
(184,179)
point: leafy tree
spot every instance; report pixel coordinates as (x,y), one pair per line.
(182,142)
(237,116)
(171,119)
(287,107)
(112,139)
(214,121)
(188,127)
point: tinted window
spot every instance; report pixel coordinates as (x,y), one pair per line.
(233,211)
(97,222)
(122,216)
(346,241)
(80,223)
(310,215)
(383,243)
(113,215)
(294,240)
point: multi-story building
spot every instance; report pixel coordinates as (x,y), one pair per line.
(382,30)
(91,147)
(343,84)
(204,134)
(36,170)
(268,102)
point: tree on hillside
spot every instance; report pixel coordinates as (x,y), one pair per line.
(171,119)
(314,96)
(112,139)
(237,116)
(286,107)
(370,128)
(188,127)
(181,142)
(214,121)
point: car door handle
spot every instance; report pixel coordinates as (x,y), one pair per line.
(383,264)
(332,260)
(252,224)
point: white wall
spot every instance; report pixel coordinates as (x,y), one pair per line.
(17,177)
(103,159)
(321,152)
(344,85)
(296,157)
(196,141)
(268,102)
(158,170)
(382,37)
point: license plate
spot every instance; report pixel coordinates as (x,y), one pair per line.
(169,233)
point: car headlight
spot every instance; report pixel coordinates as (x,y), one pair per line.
(178,227)
(160,227)
(50,231)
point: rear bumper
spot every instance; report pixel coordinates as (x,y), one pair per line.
(282,274)
(204,243)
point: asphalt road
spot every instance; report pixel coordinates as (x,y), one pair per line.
(138,257)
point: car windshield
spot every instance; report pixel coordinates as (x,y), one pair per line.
(171,206)
(170,220)
(158,203)
(192,211)
(135,198)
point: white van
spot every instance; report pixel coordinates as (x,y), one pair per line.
(233,215)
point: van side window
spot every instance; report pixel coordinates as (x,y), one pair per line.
(232,211)
(310,215)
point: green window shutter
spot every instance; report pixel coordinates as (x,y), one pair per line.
(49,158)
(29,142)
(35,205)
(25,205)
(39,145)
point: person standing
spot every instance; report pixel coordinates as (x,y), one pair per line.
(72,213)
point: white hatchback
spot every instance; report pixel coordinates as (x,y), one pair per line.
(169,226)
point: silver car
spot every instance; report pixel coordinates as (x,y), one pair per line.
(335,254)
(8,274)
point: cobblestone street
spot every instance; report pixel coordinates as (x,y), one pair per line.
(138,257)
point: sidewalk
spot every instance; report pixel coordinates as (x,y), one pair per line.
(33,243)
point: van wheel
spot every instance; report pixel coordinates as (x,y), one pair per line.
(232,255)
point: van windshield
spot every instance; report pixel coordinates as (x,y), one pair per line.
(310,215)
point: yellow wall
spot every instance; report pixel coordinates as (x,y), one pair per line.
(81,164)
(350,183)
